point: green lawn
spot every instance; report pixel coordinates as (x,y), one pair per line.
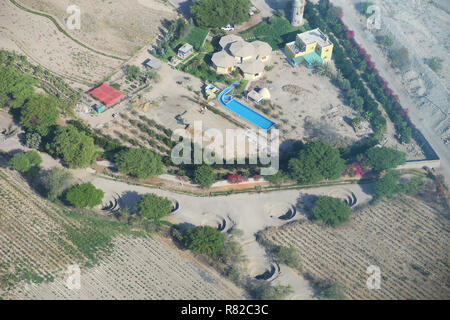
(196,37)
(276,31)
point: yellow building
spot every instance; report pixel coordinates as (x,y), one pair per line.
(310,46)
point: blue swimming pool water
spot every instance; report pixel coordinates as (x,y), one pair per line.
(244,111)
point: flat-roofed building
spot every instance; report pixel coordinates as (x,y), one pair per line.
(310,46)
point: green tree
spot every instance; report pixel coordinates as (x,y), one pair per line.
(264,290)
(383,158)
(388,185)
(25,160)
(15,87)
(39,114)
(204,175)
(154,207)
(56,181)
(219,13)
(331,211)
(84,195)
(288,256)
(316,161)
(133,72)
(74,147)
(205,239)
(139,162)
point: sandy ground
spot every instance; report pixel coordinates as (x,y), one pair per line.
(119,27)
(308,104)
(422,30)
(269,7)
(39,39)
(248,212)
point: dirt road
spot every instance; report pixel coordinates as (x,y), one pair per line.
(352,19)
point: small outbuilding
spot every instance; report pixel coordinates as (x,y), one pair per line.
(152,63)
(106,94)
(259,95)
(185,50)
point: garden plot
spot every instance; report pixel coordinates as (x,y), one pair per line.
(117,27)
(39,242)
(307,105)
(39,39)
(405,237)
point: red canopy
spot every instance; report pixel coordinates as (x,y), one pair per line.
(106,94)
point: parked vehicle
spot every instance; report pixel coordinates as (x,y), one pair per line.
(229,27)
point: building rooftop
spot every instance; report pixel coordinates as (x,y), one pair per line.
(242,49)
(262,48)
(252,67)
(315,35)
(186,48)
(226,40)
(223,59)
(106,94)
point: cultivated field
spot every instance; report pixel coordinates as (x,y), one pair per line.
(38,242)
(405,237)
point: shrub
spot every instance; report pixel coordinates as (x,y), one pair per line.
(25,160)
(33,140)
(84,195)
(204,175)
(205,239)
(133,72)
(288,256)
(154,207)
(331,211)
(328,289)
(434,63)
(56,181)
(264,290)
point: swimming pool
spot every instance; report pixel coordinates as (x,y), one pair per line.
(244,111)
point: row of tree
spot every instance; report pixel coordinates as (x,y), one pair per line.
(351,57)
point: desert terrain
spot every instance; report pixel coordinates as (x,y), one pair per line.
(420,26)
